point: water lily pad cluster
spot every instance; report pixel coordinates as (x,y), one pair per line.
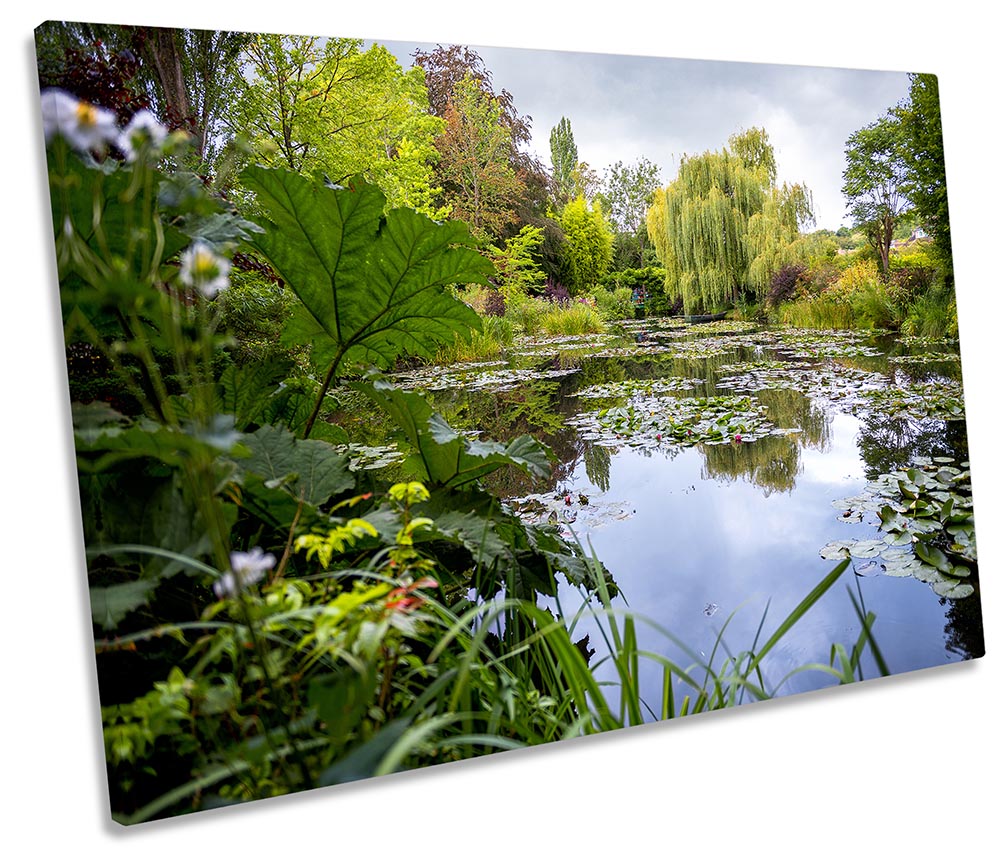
(706,348)
(829,350)
(926,516)
(564,507)
(926,358)
(547,347)
(923,340)
(936,399)
(722,327)
(471,376)
(830,385)
(668,421)
(640,388)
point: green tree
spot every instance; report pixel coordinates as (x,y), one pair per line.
(754,148)
(875,182)
(324,107)
(628,191)
(563,155)
(626,194)
(187,77)
(924,160)
(720,227)
(519,272)
(587,251)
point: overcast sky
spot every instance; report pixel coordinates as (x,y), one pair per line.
(627,107)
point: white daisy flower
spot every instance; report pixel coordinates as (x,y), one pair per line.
(205,270)
(84,126)
(247,568)
(142,130)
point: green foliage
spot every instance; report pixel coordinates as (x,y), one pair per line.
(615,305)
(587,251)
(874,182)
(578,318)
(479,181)
(563,156)
(253,312)
(518,270)
(933,314)
(443,457)
(722,228)
(645,281)
(324,107)
(923,156)
(372,286)
(822,312)
(627,192)
(496,336)
(527,314)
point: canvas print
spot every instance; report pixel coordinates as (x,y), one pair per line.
(432,401)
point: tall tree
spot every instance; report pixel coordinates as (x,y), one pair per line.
(479,181)
(563,156)
(710,225)
(924,159)
(628,191)
(445,68)
(587,251)
(210,62)
(327,108)
(448,66)
(755,149)
(875,182)
(187,77)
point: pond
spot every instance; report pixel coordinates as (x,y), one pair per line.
(721,470)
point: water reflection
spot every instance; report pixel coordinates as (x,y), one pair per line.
(735,529)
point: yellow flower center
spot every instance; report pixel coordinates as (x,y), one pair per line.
(86,114)
(204,266)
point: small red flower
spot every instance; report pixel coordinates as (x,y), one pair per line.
(736,438)
(658,437)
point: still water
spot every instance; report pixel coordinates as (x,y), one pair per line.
(729,531)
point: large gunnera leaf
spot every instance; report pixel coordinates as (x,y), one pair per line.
(372,285)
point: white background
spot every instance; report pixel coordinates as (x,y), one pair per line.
(909,762)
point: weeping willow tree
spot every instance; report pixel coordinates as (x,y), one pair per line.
(722,225)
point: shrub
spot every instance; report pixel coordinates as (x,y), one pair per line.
(576,319)
(824,312)
(933,314)
(785,284)
(648,281)
(614,305)
(556,292)
(878,305)
(526,314)
(254,311)
(497,335)
(495,305)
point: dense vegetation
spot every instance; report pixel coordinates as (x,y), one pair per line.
(295,603)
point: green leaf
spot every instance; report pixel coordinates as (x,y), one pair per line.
(109,605)
(308,468)
(342,699)
(373,286)
(931,555)
(953,589)
(447,458)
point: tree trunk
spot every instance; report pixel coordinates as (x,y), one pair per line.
(165,56)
